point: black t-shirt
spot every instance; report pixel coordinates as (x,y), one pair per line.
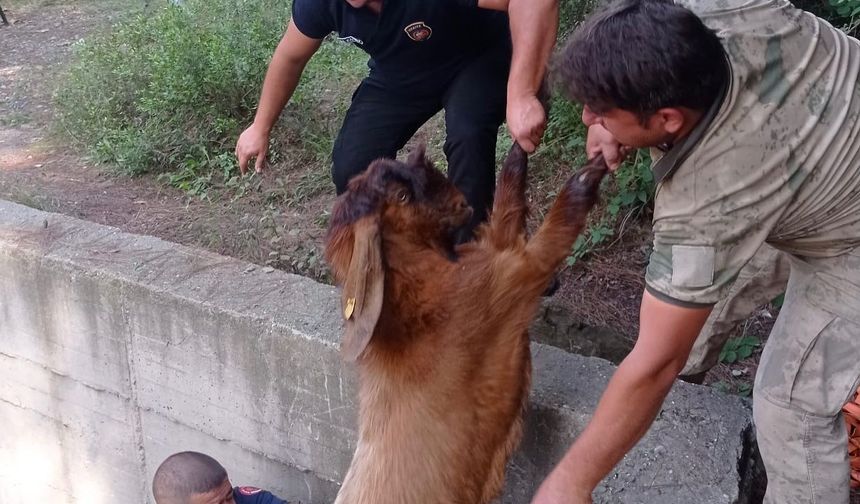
(414,45)
(253,495)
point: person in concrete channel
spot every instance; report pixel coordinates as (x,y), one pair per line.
(195,478)
(460,56)
(751,110)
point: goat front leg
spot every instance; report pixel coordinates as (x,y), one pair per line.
(508,219)
(554,239)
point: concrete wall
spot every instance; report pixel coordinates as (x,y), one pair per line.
(117,350)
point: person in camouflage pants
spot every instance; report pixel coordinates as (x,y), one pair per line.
(752,111)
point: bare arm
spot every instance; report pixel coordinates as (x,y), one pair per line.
(666,335)
(288,62)
(534,26)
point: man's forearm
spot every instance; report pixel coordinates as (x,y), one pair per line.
(631,400)
(281,80)
(624,414)
(534,27)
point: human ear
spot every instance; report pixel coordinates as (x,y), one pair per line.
(671,120)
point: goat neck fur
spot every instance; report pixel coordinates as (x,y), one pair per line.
(440,333)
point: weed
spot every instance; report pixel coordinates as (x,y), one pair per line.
(312,183)
(14,119)
(564,140)
(778,301)
(633,191)
(167,90)
(739,348)
(847,13)
(840,13)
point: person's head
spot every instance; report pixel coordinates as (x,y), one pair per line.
(191,478)
(644,69)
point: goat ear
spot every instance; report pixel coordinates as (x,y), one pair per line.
(418,157)
(362,291)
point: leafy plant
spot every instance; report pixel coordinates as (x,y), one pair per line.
(840,13)
(739,348)
(633,190)
(846,8)
(170,90)
(778,301)
(171,85)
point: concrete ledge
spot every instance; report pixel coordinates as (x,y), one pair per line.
(116,350)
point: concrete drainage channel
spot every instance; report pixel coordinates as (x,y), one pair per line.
(117,350)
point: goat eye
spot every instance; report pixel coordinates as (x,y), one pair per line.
(403,196)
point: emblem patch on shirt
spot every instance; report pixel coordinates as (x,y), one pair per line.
(418,31)
(692,266)
(249,490)
(349,39)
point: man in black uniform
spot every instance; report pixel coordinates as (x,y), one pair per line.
(462,56)
(196,478)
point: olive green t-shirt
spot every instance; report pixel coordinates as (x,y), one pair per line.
(778,161)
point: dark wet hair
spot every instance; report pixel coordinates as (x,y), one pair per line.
(184,474)
(641,56)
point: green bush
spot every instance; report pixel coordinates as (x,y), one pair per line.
(844,14)
(847,15)
(172,86)
(625,194)
(170,90)
(631,190)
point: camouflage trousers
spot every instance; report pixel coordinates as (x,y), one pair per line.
(809,368)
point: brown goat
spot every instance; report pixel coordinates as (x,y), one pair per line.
(440,332)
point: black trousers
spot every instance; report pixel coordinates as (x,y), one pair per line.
(381,120)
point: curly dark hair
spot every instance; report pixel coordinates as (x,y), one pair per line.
(641,56)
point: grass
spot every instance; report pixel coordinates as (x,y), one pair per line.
(168,93)
(14,119)
(165,90)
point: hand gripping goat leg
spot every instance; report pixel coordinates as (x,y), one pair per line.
(552,243)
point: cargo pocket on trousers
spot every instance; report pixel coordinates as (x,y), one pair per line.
(828,372)
(789,346)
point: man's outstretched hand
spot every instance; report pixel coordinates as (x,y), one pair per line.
(252,143)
